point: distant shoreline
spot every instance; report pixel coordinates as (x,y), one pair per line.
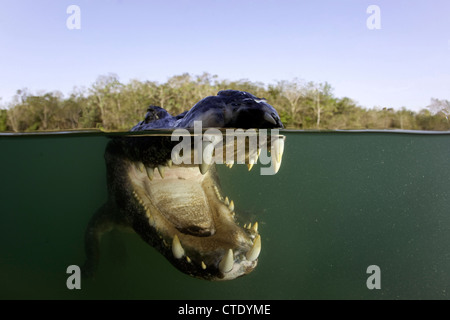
(110,105)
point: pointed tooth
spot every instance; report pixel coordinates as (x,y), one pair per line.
(251,162)
(151,220)
(206,156)
(216,190)
(204,167)
(277,154)
(245,226)
(177,249)
(150,172)
(276,165)
(249,226)
(140,166)
(188,259)
(255,227)
(161,170)
(278,149)
(253,156)
(231,205)
(227,262)
(253,253)
(230,165)
(169,163)
(203,265)
(268,117)
(227,201)
(175,157)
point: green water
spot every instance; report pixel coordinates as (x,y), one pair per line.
(340,202)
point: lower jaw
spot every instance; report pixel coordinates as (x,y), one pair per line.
(230,252)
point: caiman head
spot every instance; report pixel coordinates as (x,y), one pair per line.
(180,209)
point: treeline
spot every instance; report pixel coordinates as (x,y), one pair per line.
(111,105)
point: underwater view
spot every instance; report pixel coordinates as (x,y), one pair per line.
(348,215)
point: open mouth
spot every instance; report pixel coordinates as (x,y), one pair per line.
(178,207)
(187,217)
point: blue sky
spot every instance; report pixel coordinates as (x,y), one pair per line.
(405,63)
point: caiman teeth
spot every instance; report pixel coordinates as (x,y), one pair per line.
(231,205)
(227,262)
(151,220)
(277,153)
(203,167)
(150,171)
(278,149)
(161,170)
(253,253)
(253,159)
(255,227)
(140,166)
(177,249)
(169,163)
(227,201)
(206,156)
(203,265)
(216,190)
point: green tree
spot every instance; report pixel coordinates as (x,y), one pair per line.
(441,110)
(112,105)
(3,120)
